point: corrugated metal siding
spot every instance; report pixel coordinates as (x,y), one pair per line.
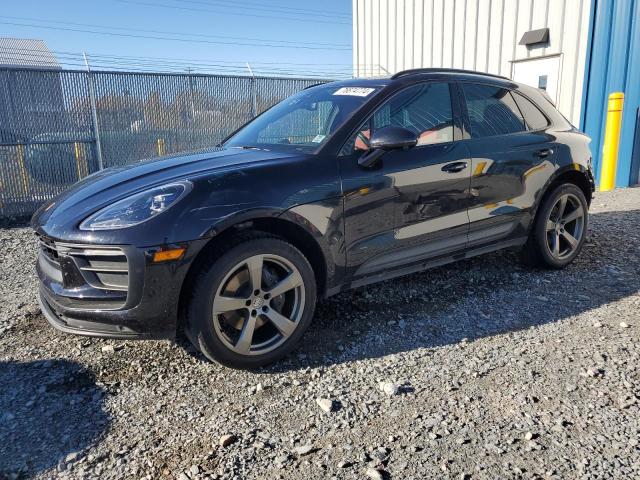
(26,52)
(615,67)
(393,35)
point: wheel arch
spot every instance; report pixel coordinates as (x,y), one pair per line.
(303,240)
(280,227)
(575,174)
(532,253)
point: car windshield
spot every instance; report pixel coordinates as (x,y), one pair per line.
(304,121)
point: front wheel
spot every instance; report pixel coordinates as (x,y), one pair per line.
(251,305)
(559,229)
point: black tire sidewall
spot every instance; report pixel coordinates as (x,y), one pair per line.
(200,315)
(540,227)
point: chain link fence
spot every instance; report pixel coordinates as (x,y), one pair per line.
(58,126)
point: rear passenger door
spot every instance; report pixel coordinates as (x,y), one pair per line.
(508,156)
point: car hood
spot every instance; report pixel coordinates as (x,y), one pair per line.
(112,184)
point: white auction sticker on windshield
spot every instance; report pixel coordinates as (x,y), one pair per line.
(354,91)
(318,138)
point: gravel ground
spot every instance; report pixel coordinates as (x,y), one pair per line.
(483,369)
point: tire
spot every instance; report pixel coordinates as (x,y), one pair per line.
(252,326)
(550,229)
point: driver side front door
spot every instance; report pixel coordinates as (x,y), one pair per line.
(410,208)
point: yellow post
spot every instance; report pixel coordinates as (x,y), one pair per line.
(611,141)
(161,146)
(81,162)
(23,170)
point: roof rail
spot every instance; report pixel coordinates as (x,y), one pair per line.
(313,85)
(415,71)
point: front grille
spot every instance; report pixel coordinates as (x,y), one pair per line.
(104,268)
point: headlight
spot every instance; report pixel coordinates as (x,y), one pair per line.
(137,208)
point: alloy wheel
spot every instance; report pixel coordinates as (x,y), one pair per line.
(259,304)
(565,226)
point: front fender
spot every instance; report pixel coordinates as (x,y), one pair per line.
(316,228)
(323,221)
(231,218)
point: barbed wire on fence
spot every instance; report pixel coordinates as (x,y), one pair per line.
(69,59)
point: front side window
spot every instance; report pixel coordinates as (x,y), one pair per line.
(304,121)
(492,111)
(423,109)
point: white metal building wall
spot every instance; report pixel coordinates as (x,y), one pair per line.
(394,35)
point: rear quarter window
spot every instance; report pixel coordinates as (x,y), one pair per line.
(492,111)
(534,118)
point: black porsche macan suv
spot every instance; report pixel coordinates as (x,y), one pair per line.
(341,185)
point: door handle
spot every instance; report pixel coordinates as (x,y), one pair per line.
(454,167)
(545,152)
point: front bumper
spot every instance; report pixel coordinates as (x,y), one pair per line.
(111,291)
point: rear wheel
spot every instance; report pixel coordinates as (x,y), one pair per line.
(251,305)
(559,230)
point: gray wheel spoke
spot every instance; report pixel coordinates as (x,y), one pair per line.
(254,265)
(570,217)
(556,244)
(222,304)
(282,323)
(243,345)
(291,281)
(551,225)
(573,241)
(562,204)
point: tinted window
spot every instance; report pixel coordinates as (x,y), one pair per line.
(532,114)
(492,111)
(424,109)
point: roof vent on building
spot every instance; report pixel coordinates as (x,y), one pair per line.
(534,37)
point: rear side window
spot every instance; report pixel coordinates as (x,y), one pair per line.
(492,111)
(532,115)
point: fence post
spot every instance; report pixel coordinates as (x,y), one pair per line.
(254,93)
(94,113)
(193,108)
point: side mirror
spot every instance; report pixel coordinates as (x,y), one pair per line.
(386,139)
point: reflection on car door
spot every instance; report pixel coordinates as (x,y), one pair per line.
(412,207)
(505,159)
